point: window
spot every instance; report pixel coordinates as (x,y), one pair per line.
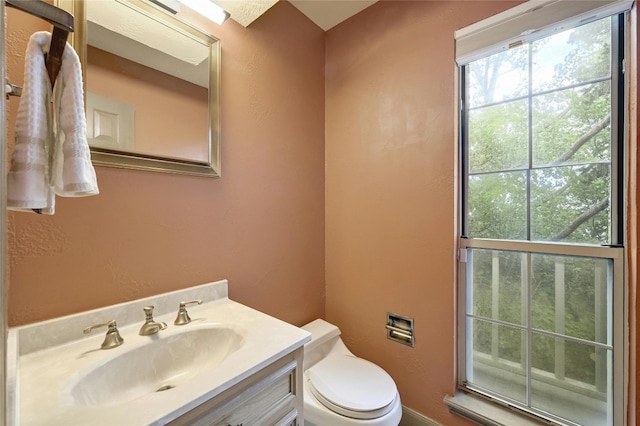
(541,283)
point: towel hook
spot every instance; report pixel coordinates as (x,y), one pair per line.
(63,24)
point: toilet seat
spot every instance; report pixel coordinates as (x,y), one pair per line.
(352,387)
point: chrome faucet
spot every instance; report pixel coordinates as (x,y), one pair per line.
(183,316)
(112,339)
(150,326)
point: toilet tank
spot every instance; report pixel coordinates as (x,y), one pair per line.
(323,338)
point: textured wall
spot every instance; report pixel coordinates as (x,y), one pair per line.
(633,191)
(261,225)
(390,188)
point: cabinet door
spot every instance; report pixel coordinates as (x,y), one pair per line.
(265,407)
(270,397)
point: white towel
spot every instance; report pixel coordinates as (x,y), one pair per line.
(48,161)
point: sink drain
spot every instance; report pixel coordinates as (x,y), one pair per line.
(164,388)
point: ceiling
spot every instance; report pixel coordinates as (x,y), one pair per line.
(324,13)
(329,13)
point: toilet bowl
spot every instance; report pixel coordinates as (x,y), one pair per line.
(341,389)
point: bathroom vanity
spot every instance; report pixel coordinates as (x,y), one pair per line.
(230,365)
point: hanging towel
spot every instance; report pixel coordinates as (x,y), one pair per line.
(48,159)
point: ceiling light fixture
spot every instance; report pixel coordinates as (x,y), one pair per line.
(207,9)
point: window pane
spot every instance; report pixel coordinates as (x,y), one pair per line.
(497,206)
(499,288)
(570,380)
(570,296)
(571,203)
(497,363)
(498,77)
(572,126)
(499,137)
(574,56)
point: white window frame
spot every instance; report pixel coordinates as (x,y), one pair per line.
(483,39)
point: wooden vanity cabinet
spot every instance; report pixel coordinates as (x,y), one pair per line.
(272,396)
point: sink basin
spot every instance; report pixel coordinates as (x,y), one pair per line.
(163,363)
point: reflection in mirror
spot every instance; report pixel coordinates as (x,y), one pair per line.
(152,87)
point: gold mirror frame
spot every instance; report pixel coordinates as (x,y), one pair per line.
(126,160)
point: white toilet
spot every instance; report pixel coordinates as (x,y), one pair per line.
(341,389)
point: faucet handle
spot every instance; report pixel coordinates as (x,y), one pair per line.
(183,316)
(112,339)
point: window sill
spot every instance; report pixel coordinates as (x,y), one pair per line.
(486,413)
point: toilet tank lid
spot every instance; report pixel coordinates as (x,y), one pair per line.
(321,332)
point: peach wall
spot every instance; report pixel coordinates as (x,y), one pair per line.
(390,188)
(632,220)
(261,225)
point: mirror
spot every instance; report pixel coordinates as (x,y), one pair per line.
(151,85)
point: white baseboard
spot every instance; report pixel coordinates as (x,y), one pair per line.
(413,418)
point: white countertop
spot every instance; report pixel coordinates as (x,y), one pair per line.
(45,375)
